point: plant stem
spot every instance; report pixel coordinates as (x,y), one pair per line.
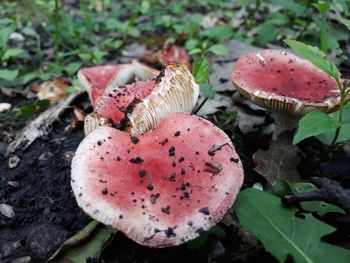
(57,30)
(199,106)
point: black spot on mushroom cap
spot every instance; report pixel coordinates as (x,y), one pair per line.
(154,198)
(235,160)
(183,171)
(172,151)
(105,191)
(165,141)
(181,159)
(134,139)
(142,173)
(136,160)
(177,133)
(99,143)
(169,232)
(150,187)
(190,223)
(120,216)
(204,210)
(166,209)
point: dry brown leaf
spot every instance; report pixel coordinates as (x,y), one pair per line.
(51,90)
(281,160)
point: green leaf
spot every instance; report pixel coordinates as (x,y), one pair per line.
(8,74)
(145,5)
(315,56)
(28,110)
(320,207)
(344,21)
(312,124)
(5,33)
(200,70)
(218,49)
(87,243)
(43,104)
(15,53)
(208,91)
(191,44)
(282,233)
(344,133)
(72,68)
(195,51)
(218,33)
(322,7)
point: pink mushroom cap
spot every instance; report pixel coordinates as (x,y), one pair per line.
(161,188)
(283,82)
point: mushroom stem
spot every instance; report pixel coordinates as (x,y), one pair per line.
(284,122)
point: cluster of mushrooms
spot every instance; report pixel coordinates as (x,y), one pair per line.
(159,174)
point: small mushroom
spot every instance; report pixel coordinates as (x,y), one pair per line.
(158,188)
(140,106)
(96,79)
(286,84)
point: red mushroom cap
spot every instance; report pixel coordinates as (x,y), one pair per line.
(282,81)
(140,106)
(96,79)
(161,188)
(113,104)
(173,54)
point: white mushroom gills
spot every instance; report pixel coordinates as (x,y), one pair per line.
(176,92)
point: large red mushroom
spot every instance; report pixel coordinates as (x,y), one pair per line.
(162,188)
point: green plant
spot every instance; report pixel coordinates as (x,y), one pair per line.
(319,123)
(285,232)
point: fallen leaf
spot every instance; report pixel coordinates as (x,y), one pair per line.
(87,243)
(51,90)
(7,210)
(279,161)
(219,103)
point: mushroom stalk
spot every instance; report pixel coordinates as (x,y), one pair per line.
(284,122)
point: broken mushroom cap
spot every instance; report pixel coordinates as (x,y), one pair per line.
(161,188)
(96,79)
(283,82)
(176,91)
(139,107)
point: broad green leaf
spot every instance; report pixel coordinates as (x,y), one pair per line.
(72,68)
(281,188)
(344,21)
(312,124)
(43,104)
(322,7)
(344,133)
(315,56)
(208,91)
(83,245)
(5,33)
(282,233)
(294,6)
(191,44)
(145,5)
(320,207)
(195,51)
(200,70)
(218,33)
(15,53)
(218,49)
(81,253)
(8,74)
